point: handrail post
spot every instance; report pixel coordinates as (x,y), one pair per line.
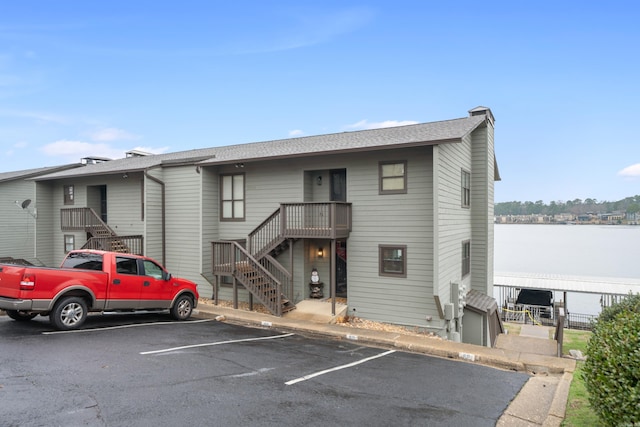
(332,219)
(283,218)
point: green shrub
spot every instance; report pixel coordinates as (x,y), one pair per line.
(630,303)
(612,369)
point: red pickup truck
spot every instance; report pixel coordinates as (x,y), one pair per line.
(93,281)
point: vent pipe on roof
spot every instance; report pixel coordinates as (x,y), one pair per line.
(482,111)
(93,160)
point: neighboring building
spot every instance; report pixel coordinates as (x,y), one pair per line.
(398,221)
(19,213)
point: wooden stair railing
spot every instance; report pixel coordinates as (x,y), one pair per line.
(266,236)
(291,221)
(230,258)
(122,244)
(88,220)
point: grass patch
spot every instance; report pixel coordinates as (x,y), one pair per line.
(579,412)
(575,340)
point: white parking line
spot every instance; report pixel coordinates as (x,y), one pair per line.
(337,368)
(215,343)
(75,331)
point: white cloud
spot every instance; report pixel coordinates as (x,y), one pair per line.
(632,171)
(364,124)
(112,134)
(73,151)
(296,132)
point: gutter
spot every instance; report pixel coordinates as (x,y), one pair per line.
(164,227)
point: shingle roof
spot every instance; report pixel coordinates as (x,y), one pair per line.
(376,139)
(30,173)
(481,303)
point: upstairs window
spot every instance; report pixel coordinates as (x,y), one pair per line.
(393,260)
(466,257)
(68,194)
(232,197)
(466,188)
(393,177)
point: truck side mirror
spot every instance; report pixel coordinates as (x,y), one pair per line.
(166,275)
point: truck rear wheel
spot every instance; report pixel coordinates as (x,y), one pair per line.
(21,316)
(183,307)
(69,313)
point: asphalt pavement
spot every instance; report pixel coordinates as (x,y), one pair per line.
(541,402)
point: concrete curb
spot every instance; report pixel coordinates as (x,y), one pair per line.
(499,358)
(558,408)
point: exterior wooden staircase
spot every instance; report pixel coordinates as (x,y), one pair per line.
(102,236)
(256,267)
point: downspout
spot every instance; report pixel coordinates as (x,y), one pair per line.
(163,216)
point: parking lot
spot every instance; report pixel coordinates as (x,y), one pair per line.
(148,370)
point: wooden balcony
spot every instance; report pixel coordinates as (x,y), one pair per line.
(329,220)
(102,236)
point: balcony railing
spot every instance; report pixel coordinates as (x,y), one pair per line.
(124,244)
(331,220)
(84,219)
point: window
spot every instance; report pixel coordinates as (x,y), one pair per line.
(69,243)
(466,257)
(84,261)
(152,269)
(126,265)
(68,194)
(393,261)
(466,189)
(232,197)
(393,177)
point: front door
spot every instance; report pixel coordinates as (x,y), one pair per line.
(341,268)
(338,191)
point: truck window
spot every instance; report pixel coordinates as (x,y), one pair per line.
(126,265)
(152,269)
(85,261)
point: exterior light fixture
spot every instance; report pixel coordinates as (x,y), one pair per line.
(320,253)
(319,180)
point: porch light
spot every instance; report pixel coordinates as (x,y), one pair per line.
(320,253)
(319,180)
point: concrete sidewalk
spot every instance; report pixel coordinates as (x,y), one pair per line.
(542,400)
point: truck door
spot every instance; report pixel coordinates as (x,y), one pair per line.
(126,284)
(156,292)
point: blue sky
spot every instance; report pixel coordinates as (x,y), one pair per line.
(101,78)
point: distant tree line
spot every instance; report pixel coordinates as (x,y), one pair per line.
(575,207)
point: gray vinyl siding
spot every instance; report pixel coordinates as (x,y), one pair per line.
(454,221)
(153,237)
(482,181)
(402,300)
(46,225)
(267,185)
(183,244)
(18,227)
(396,219)
(210,227)
(123,207)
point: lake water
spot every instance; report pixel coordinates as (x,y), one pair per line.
(577,250)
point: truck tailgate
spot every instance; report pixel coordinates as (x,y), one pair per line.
(10,277)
